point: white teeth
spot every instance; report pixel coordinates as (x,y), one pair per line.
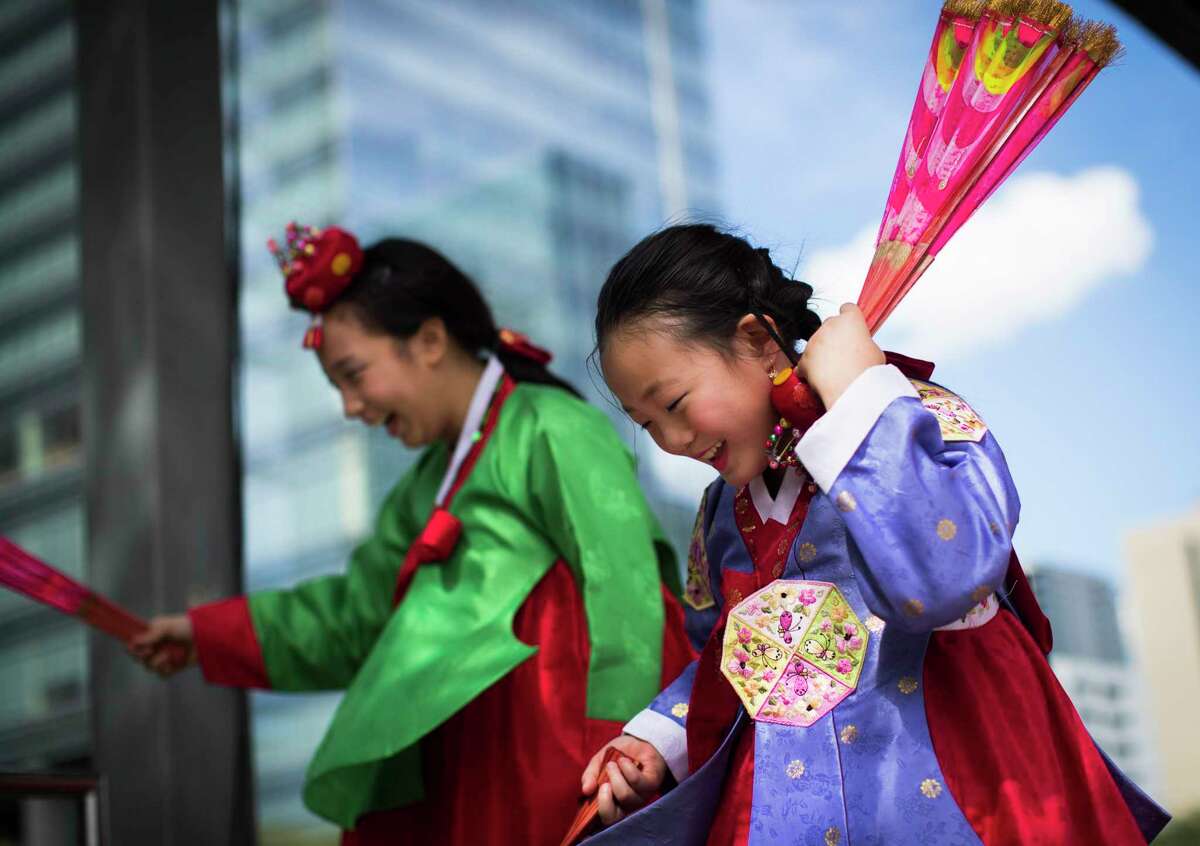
(712,451)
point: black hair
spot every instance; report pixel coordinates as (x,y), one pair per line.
(702,281)
(403,283)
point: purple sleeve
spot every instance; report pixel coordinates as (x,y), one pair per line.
(930,521)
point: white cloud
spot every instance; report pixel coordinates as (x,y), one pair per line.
(1031,254)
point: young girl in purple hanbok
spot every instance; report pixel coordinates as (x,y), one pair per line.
(874,663)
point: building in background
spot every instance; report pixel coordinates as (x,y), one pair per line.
(43,701)
(532,142)
(1092,663)
(1163,570)
(43,656)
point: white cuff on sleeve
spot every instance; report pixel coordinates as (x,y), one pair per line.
(665,735)
(828,446)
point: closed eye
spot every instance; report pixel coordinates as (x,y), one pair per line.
(673,405)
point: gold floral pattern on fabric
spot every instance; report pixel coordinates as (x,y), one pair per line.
(849,734)
(914,608)
(806,552)
(846,501)
(795,769)
(697,592)
(931,788)
(907,685)
(958,421)
(833,836)
(680,709)
(793,650)
(946,529)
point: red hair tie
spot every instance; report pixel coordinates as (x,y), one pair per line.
(317,265)
(518,344)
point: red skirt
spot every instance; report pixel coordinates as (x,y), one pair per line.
(1015,755)
(505,769)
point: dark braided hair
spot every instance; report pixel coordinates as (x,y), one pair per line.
(702,281)
(403,283)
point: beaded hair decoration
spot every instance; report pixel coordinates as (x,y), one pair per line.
(317,265)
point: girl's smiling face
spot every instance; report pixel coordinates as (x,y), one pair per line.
(385,381)
(694,399)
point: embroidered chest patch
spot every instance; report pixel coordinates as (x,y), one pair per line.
(958,421)
(697,592)
(793,650)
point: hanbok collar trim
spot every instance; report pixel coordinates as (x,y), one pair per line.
(780,507)
(493,372)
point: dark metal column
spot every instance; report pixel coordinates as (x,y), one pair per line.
(159,340)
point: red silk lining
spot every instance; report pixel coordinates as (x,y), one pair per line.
(226,644)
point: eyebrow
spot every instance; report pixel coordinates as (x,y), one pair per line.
(342,364)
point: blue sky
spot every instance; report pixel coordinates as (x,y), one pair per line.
(1086,375)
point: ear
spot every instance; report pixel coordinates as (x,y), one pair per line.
(750,338)
(431,342)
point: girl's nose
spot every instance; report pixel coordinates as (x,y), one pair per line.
(352,406)
(677,440)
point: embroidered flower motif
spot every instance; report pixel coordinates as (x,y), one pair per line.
(914,608)
(907,685)
(875,624)
(680,709)
(946,529)
(744,634)
(844,666)
(849,734)
(806,552)
(807,596)
(846,502)
(932,788)
(833,836)
(838,613)
(795,769)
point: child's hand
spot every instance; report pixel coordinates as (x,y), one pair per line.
(162,646)
(628,787)
(838,353)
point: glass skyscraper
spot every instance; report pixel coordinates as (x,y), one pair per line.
(532,142)
(43,700)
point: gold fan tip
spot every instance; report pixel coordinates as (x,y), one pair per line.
(1100,42)
(971,9)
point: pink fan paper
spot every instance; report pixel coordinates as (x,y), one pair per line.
(997,77)
(25,574)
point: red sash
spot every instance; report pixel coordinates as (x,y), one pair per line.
(439,537)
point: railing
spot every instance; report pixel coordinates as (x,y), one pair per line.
(86,789)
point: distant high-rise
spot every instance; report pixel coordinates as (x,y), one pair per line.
(531,141)
(1163,570)
(43,655)
(1090,661)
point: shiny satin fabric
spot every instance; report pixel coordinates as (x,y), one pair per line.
(554,483)
(505,769)
(870,771)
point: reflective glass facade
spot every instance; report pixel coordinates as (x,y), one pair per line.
(43,656)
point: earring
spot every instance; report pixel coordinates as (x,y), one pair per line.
(771,372)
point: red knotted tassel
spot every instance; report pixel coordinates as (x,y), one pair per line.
(795,400)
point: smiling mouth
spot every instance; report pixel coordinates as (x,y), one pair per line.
(709,454)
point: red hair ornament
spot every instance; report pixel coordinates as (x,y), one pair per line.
(317,265)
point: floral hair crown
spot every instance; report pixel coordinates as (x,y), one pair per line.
(317,265)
